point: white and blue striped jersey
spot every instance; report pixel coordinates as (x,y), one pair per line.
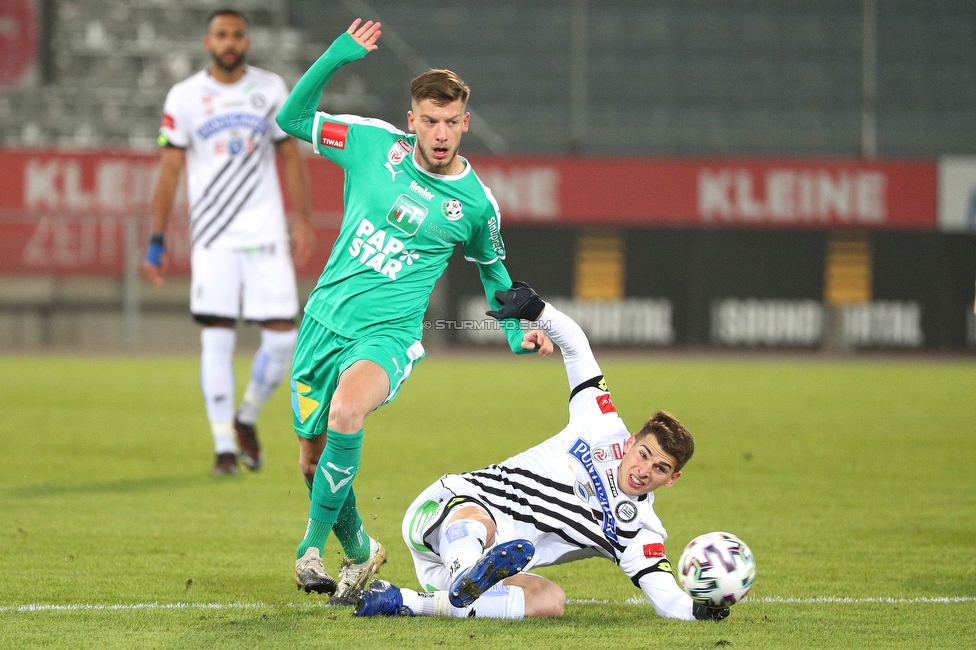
(563,494)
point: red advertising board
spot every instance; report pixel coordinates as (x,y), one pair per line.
(728,192)
(64,211)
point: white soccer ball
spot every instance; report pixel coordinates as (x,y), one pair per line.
(717,569)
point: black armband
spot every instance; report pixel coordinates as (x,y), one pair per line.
(597,382)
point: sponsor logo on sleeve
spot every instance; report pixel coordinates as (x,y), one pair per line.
(168,121)
(653,550)
(333,134)
(495,236)
(606,406)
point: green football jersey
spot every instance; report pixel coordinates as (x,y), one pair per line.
(401,223)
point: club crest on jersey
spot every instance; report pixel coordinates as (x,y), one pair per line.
(626,511)
(607,452)
(258,100)
(398,152)
(452,210)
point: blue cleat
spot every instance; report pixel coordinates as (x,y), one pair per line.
(498,563)
(382,599)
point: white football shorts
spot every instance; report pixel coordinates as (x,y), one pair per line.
(256,283)
(421,524)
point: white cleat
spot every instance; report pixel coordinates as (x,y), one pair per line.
(310,574)
(353,578)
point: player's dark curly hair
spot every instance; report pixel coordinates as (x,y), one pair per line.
(439,86)
(673,437)
(227,11)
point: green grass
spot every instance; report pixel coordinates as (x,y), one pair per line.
(849,480)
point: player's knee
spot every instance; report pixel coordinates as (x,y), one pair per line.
(347,415)
(543,597)
(551,601)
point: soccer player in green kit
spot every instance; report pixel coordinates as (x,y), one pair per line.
(409,200)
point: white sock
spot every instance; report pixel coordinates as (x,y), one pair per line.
(421,603)
(217,382)
(270,364)
(462,544)
(501,601)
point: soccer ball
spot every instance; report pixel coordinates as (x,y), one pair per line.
(716,569)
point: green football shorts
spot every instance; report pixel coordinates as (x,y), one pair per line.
(321,356)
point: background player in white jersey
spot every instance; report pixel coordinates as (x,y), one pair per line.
(586,492)
(410,199)
(220,122)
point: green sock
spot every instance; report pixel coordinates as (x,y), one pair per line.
(333,480)
(349,531)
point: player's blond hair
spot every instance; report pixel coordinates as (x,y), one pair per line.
(673,437)
(442,87)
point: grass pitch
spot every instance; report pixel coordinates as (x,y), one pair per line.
(853,482)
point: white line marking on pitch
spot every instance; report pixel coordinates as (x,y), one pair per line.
(636,600)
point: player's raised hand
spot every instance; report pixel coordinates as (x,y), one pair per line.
(366,34)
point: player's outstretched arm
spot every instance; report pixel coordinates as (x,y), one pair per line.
(667,597)
(297,114)
(522,302)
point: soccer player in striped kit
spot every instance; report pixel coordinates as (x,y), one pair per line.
(220,124)
(586,492)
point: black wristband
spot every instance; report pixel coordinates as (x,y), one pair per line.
(157,238)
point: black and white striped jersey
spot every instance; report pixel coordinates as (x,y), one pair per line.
(229,134)
(563,494)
